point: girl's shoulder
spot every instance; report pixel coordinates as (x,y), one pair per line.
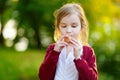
(88,50)
(51,46)
(88,47)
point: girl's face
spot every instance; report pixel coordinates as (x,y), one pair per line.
(70,25)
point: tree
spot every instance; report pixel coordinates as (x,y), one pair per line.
(3,7)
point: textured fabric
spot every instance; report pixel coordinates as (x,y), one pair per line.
(86,66)
(66,69)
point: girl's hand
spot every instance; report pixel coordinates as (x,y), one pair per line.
(60,44)
(78,49)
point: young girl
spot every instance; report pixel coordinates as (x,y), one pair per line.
(70,58)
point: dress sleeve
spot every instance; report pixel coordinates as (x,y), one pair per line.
(48,66)
(86,66)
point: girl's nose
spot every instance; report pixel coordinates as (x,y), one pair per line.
(69,30)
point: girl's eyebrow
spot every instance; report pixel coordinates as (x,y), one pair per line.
(72,23)
(62,23)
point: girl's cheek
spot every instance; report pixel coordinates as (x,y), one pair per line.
(63,32)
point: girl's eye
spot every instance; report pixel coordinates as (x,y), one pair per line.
(74,26)
(63,26)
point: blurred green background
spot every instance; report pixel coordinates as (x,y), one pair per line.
(27,27)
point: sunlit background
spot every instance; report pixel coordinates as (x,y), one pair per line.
(27,27)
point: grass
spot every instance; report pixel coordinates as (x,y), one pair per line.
(20,65)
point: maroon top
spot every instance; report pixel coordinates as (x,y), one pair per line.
(86,66)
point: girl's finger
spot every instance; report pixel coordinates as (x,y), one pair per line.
(76,41)
(63,43)
(61,38)
(75,45)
